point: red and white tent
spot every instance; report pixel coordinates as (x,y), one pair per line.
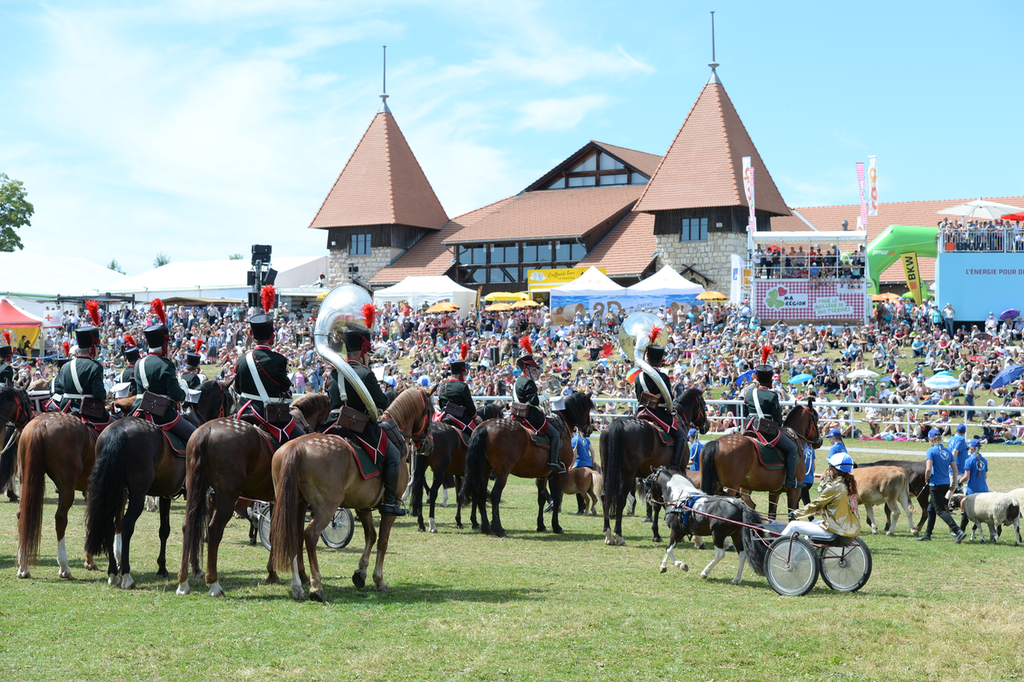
(20,323)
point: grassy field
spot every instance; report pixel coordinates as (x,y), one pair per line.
(528,607)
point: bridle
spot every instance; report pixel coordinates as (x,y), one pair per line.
(422,430)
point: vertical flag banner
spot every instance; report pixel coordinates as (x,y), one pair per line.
(748,189)
(872,187)
(863,203)
(913,275)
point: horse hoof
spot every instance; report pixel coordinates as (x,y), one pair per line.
(298,594)
(558,531)
(703,576)
(183,589)
(736,581)
(24,575)
(458,526)
(90,566)
(216,590)
(381,586)
(127,582)
(273,579)
(499,533)
(542,529)
(433,530)
(359,579)
(113,580)
(162,573)
(664,569)
(656,540)
(620,541)
(65,574)
(317,597)
(684,568)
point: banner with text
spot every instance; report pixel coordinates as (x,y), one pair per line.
(913,275)
(809,300)
(863,203)
(872,187)
(748,189)
(977,284)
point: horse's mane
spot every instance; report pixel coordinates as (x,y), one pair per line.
(8,392)
(689,397)
(311,403)
(577,408)
(409,404)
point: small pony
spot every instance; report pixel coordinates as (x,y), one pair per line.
(688,511)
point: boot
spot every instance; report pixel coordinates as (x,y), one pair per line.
(791,469)
(553,462)
(391,505)
(680,444)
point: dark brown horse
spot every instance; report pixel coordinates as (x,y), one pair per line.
(319,471)
(232,457)
(731,462)
(505,447)
(631,448)
(15,411)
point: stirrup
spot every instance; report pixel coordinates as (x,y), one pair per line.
(557,467)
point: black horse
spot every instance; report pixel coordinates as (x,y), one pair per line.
(15,413)
(631,448)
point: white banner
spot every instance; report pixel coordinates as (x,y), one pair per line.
(51,318)
(872,187)
(736,279)
(748,189)
(863,202)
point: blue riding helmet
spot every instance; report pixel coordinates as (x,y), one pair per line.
(841,461)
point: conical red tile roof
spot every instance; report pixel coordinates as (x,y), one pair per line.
(704,165)
(382,184)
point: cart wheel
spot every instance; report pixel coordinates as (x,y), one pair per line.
(846,569)
(791,566)
(265,527)
(339,531)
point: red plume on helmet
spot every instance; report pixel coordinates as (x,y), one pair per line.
(156,306)
(7,338)
(199,345)
(653,336)
(524,343)
(463,351)
(67,348)
(369,315)
(267,297)
(765,352)
(93,308)
(129,342)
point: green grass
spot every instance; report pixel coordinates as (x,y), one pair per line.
(528,607)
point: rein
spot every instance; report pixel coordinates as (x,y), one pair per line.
(419,434)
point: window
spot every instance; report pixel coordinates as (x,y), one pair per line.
(608,163)
(479,276)
(536,253)
(589,164)
(638,179)
(359,245)
(579,252)
(694,230)
(502,275)
(557,184)
(472,255)
(617,179)
(570,251)
(504,254)
(582,181)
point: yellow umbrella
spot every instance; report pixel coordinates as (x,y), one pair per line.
(498,308)
(443,307)
(711,296)
(507,296)
(519,305)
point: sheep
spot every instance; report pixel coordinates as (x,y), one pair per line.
(994,509)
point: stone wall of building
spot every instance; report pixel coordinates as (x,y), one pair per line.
(369,265)
(710,258)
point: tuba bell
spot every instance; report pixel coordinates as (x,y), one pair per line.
(634,338)
(341,311)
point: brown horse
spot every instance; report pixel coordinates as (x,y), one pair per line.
(231,457)
(320,471)
(15,411)
(505,447)
(731,462)
(631,448)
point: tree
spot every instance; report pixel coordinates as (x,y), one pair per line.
(15,212)
(161,260)
(115,266)
(235,256)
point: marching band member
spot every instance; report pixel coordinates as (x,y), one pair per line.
(659,410)
(764,402)
(156,374)
(454,398)
(130,351)
(82,377)
(525,391)
(192,377)
(6,370)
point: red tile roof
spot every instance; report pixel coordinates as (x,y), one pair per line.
(830,218)
(550,214)
(628,250)
(704,165)
(642,161)
(382,184)
(429,256)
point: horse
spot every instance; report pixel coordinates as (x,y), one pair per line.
(215,401)
(578,481)
(320,471)
(444,454)
(231,457)
(719,517)
(505,447)
(632,448)
(16,411)
(732,462)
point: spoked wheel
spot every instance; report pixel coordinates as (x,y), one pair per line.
(339,531)
(265,527)
(846,569)
(791,566)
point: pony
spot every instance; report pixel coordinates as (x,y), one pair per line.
(232,458)
(631,448)
(320,471)
(689,512)
(732,462)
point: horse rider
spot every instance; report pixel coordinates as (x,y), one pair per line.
(130,351)
(261,379)
(454,398)
(81,380)
(192,377)
(764,402)
(652,404)
(157,375)
(6,370)
(56,388)
(525,391)
(358,344)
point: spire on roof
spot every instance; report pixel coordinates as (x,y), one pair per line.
(384,104)
(714,76)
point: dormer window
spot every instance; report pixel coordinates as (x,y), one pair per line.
(598,169)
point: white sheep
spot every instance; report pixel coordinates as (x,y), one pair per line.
(995,509)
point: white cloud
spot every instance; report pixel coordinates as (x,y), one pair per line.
(559,114)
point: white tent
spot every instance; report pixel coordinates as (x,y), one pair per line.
(593,282)
(419,290)
(590,293)
(666,282)
(33,280)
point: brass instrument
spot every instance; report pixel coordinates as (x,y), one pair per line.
(635,337)
(341,311)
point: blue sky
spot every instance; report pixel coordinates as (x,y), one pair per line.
(199,128)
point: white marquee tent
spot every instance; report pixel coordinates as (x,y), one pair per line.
(33,280)
(419,290)
(668,283)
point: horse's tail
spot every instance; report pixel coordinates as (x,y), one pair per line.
(107,482)
(33,485)
(474,483)
(289,510)
(197,511)
(708,472)
(611,458)
(7,459)
(419,478)
(753,540)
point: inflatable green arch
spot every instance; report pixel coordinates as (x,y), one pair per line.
(895,241)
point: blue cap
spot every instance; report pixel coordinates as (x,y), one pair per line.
(835,433)
(693,432)
(975,443)
(934,433)
(961,429)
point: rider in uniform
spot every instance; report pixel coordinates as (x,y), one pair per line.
(192,377)
(156,374)
(82,377)
(6,370)
(130,351)
(662,412)
(358,343)
(56,388)
(762,402)
(261,375)
(454,397)
(525,391)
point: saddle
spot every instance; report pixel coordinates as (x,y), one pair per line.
(764,431)
(367,460)
(176,443)
(663,430)
(455,423)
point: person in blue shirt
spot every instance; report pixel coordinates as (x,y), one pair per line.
(808,482)
(958,446)
(939,466)
(696,448)
(581,446)
(975,472)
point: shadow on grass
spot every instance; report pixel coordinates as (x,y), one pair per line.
(401,593)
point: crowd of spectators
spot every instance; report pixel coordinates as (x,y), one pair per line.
(773,262)
(981,235)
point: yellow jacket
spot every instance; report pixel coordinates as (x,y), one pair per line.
(833,504)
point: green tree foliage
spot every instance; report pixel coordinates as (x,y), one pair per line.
(161,260)
(115,266)
(15,212)
(235,256)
